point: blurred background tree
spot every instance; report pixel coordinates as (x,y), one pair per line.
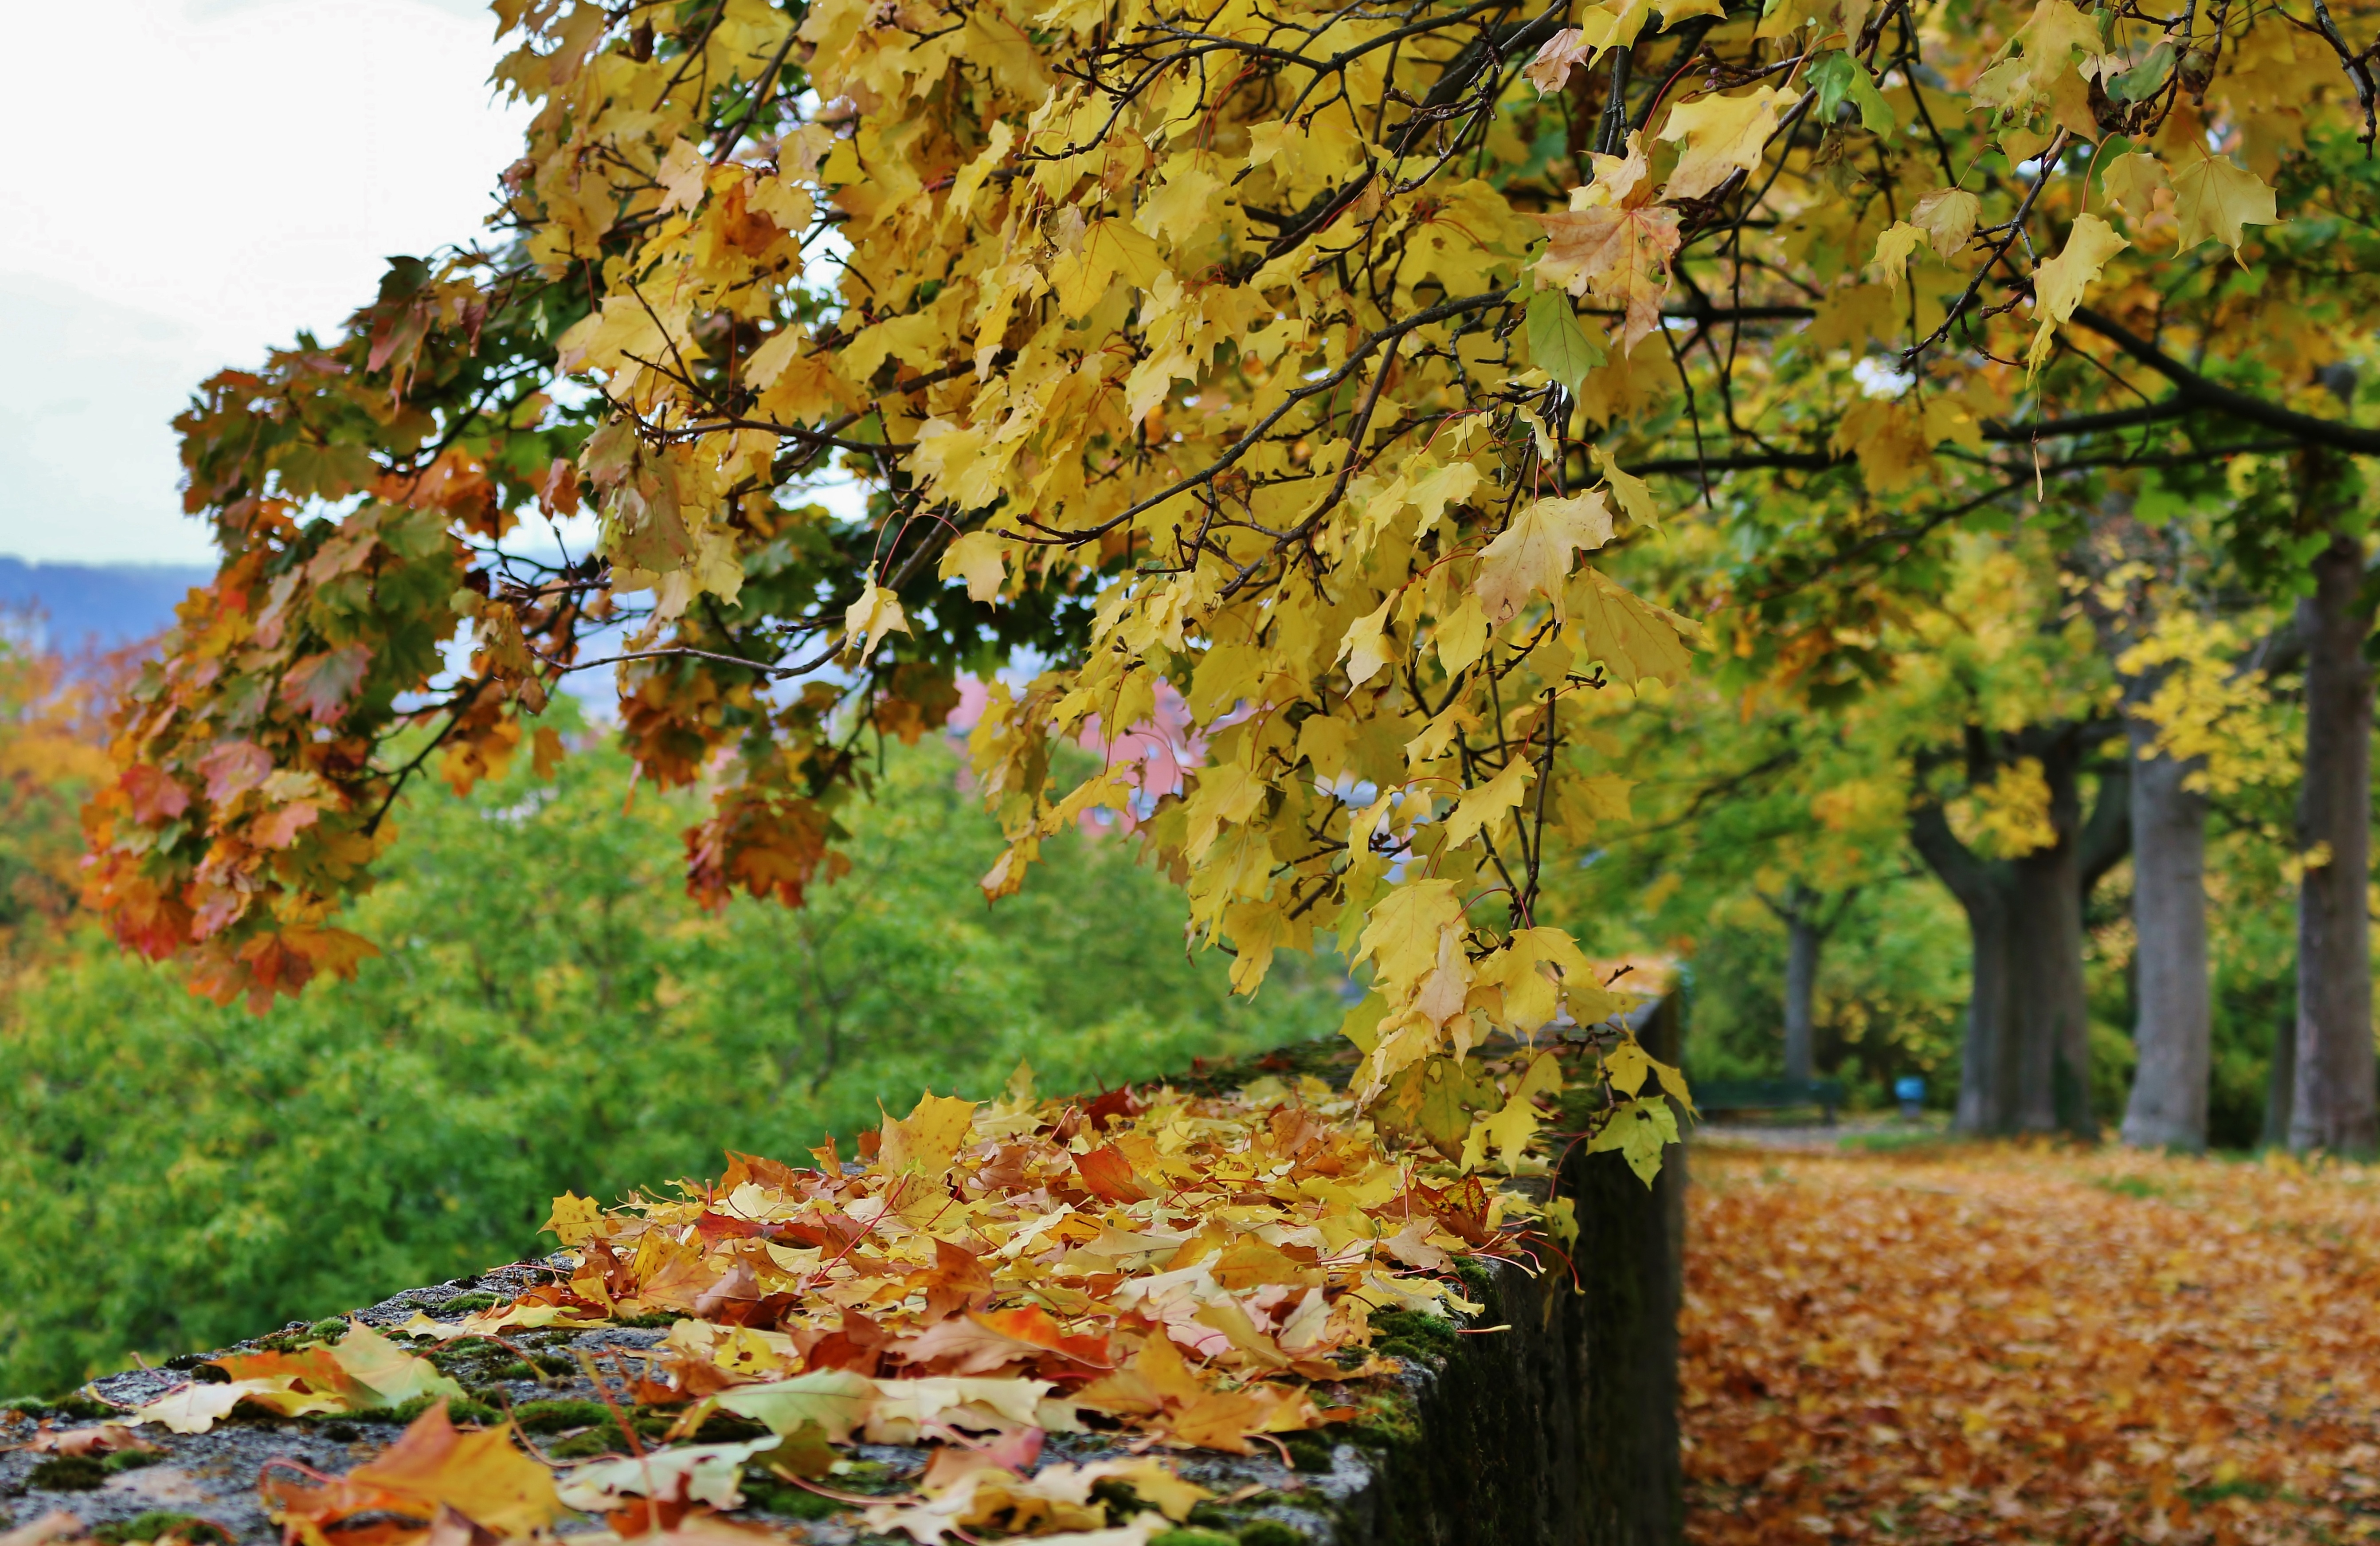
(550,1012)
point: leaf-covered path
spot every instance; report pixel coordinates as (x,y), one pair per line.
(2022,1345)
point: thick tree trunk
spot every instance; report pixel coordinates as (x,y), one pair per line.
(1982,888)
(2168,1109)
(1803,941)
(2026,1066)
(2335,1108)
(2053,1052)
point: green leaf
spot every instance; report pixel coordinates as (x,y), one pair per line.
(1561,349)
(1839,77)
(1639,1129)
(2145,80)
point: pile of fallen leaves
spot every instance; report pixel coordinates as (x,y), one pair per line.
(2027,1344)
(1179,1271)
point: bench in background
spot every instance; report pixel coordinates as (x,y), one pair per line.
(1730,1095)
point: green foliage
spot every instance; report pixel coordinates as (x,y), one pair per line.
(551,1013)
(1891,995)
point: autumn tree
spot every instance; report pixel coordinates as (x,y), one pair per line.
(1287,359)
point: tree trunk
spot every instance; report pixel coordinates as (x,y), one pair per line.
(1982,888)
(2335,1108)
(2168,1109)
(2282,1083)
(2052,1056)
(2026,1066)
(1803,941)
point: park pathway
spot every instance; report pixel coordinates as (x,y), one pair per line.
(2022,1344)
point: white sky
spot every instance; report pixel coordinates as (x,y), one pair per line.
(219,175)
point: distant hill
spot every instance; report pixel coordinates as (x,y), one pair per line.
(74,607)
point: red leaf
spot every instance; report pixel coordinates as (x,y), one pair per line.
(321,684)
(154,795)
(1107,1173)
(233,768)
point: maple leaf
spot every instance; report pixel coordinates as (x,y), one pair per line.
(389,1374)
(233,768)
(978,1342)
(55,1526)
(976,557)
(1721,136)
(106,1438)
(1948,216)
(923,1142)
(2133,181)
(1401,935)
(1109,1175)
(1635,496)
(835,1401)
(1636,640)
(1893,247)
(1549,70)
(1532,556)
(1619,254)
(1367,646)
(2213,198)
(1558,344)
(709,1474)
(1638,1130)
(1514,1125)
(320,685)
(2059,284)
(874,614)
(1480,808)
(481,1475)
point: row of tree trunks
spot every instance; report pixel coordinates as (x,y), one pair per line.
(2026,1063)
(2323,1090)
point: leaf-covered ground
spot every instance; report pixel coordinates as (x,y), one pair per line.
(2027,1344)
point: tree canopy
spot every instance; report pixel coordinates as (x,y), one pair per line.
(1272,367)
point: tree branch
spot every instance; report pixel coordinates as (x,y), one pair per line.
(2204,394)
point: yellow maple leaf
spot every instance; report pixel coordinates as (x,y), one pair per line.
(2213,198)
(575,1219)
(975,556)
(1722,135)
(1634,495)
(1514,1125)
(1631,637)
(874,614)
(2133,182)
(1533,556)
(1110,249)
(1481,808)
(2059,284)
(1401,934)
(479,1475)
(1948,216)
(1892,249)
(1368,645)
(923,1141)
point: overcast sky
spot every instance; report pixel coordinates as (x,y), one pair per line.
(194,181)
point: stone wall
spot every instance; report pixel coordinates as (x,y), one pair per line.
(1550,1419)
